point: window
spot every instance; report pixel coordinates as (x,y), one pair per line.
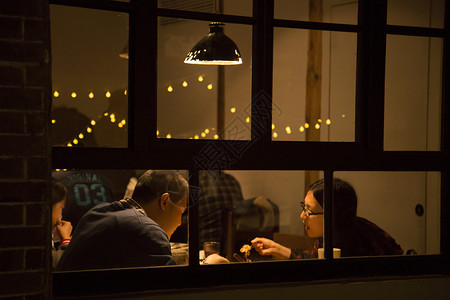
(366,93)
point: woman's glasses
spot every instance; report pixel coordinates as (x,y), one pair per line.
(307,211)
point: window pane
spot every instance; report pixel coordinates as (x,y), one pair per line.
(188,95)
(332,11)
(90,102)
(237,206)
(413,93)
(321,106)
(422,13)
(406,205)
(229,7)
(116,233)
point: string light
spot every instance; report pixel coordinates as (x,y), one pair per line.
(203,134)
(301,129)
(196,137)
(73,95)
(105,114)
(81,136)
(53,121)
(343,115)
(275,134)
(89,130)
(328,121)
(125,92)
(157,132)
(69,145)
(108,94)
(319,120)
(273,126)
(75,141)
(288,130)
(247,120)
(216,136)
(210,86)
(185,84)
(170,89)
(91,95)
(200,78)
(93,123)
(317,126)
(56,94)
(168,136)
(233,110)
(306,125)
(206,130)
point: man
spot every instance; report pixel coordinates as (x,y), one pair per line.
(132,232)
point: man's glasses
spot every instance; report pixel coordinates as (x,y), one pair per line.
(307,211)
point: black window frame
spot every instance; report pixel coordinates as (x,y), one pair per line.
(146,151)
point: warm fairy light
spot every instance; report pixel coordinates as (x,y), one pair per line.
(73,95)
(91,95)
(93,122)
(108,94)
(57,170)
(306,125)
(216,136)
(301,129)
(112,116)
(69,145)
(328,121)
(81,136)
(185,84)
(123,122)
(125,92)
(206,130)
(273,126)
(64,170)
(233,110)
(319,120)
(53,121)
(343,115)
(170,89)
(120,125)
(75,141)
(209,86)
(196,137)
(113,120)
(317,126)
(275,135)
(89,130)
(200,78)
(203,134)
(247,120)
(168,136)
(288,130)
(56,94)
(105,114)
(157,132)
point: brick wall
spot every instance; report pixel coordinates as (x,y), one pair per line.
(25,94)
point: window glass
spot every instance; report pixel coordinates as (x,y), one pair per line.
(314,91)
(237,206)
(422,13)
(333,11)
(405,205)
(90,79)
(189,96)
(229,7)
(413,93)
(99,237)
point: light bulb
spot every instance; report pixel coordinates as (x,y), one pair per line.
(56,94)
(89,130)
(168,136)
(301,129)
(328,121)
(216,136)
(203,134)
(233,110)
(206,130)
(108,94)
(288,130)
(185,84)
(93,123)
(275,135)
(306,125)
(247,120)
(273,126)
(80,136)
(196,137)
(53,121)
(317,126)
(170,89)
(75,141)
(200,78)
(73,95)
(91,95)
(209,86)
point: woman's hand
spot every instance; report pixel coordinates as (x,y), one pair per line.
(64,229)
(268,247)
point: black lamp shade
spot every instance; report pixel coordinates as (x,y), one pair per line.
(214,49)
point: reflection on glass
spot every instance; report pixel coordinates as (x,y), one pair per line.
(90,102)
(406,205)
(325,11)
(422,13)
(413,93)
(118,217)
(314,85)
(197,101)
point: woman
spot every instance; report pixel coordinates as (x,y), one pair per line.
(61,233)
(355,236)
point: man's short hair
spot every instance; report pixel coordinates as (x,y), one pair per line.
(59,191)
(153,183)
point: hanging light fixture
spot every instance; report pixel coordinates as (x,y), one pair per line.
(214,49)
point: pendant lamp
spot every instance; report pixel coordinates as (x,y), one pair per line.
(214,49)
